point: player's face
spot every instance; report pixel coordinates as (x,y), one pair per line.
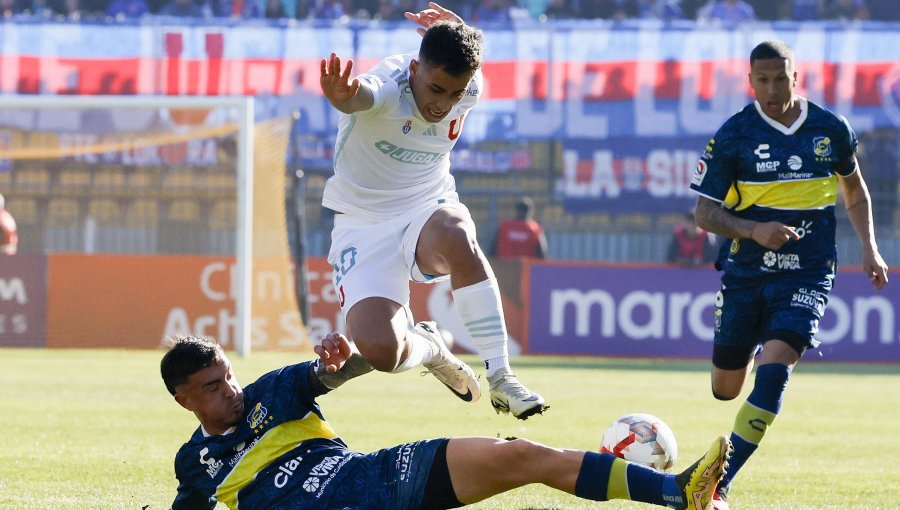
(214,395)
(773,82)
(435,90)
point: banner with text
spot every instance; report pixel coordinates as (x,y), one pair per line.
(590,309)
(549,81)
(134,301)
(23,300)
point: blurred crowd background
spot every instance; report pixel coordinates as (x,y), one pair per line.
(475,11)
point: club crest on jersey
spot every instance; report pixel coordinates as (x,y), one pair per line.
(822,146)
(407,127)
(257,415)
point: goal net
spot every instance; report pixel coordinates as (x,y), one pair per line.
(157,216)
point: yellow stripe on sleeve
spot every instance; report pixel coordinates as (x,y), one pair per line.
(273,444)
(795,195)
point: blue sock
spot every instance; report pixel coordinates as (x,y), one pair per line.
(604,476)
(756,415)
(593,478)
(651,486)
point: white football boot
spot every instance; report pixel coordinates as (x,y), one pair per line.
(508,395)
(449,369)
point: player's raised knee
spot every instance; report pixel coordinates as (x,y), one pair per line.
(383,354)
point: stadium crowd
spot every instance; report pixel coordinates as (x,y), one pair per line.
(478,11)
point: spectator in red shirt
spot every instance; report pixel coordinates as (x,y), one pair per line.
(9,240)
(691,246)
(522,236)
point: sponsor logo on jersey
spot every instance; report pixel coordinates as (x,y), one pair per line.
(241,450)
(767,166)
(322,474)
(405,155)
(810,299)
(257,415)
(781,260)
(407,127)
(212,465)
(472,91)
(735,246)
(431,131)
(699,173)
(804,228)
(286,471)
(822,146)
(795,175)
(794,162)
(404,460)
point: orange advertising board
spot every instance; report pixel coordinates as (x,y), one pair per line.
(135,301)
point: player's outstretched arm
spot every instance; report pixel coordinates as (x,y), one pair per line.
(431,15)
(343,93)
(338,361)
(859,210)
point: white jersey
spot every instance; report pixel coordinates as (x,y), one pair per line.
(388,159)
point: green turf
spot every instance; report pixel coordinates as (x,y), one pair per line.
(97,429)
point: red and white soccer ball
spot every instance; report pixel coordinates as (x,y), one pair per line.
(643,439)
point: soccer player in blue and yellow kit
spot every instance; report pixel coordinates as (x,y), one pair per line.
(268,446)
(768,181)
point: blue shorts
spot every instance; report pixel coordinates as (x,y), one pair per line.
(392,478)
(751,311)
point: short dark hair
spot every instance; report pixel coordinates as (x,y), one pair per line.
(525,206)
(772,50)
(188,355)
(454,46)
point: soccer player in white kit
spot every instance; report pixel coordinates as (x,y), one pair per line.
(399,217)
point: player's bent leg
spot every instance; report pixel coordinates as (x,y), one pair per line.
(758,413)
(481,467)
(731,364)
(727,384)
(378,327)
(447,244)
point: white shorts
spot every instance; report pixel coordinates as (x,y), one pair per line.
(378,258)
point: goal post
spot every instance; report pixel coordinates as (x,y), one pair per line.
(243,116)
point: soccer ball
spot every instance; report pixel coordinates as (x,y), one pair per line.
(643,439)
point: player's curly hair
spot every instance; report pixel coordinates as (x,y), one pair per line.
(772,50)
(186,356)
(454,46)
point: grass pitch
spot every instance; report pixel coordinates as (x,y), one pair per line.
(97,429)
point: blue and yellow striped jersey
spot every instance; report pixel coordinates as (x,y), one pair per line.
(282,452)
(764,171)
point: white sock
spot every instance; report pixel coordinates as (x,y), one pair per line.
(481,311)
(420,351)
